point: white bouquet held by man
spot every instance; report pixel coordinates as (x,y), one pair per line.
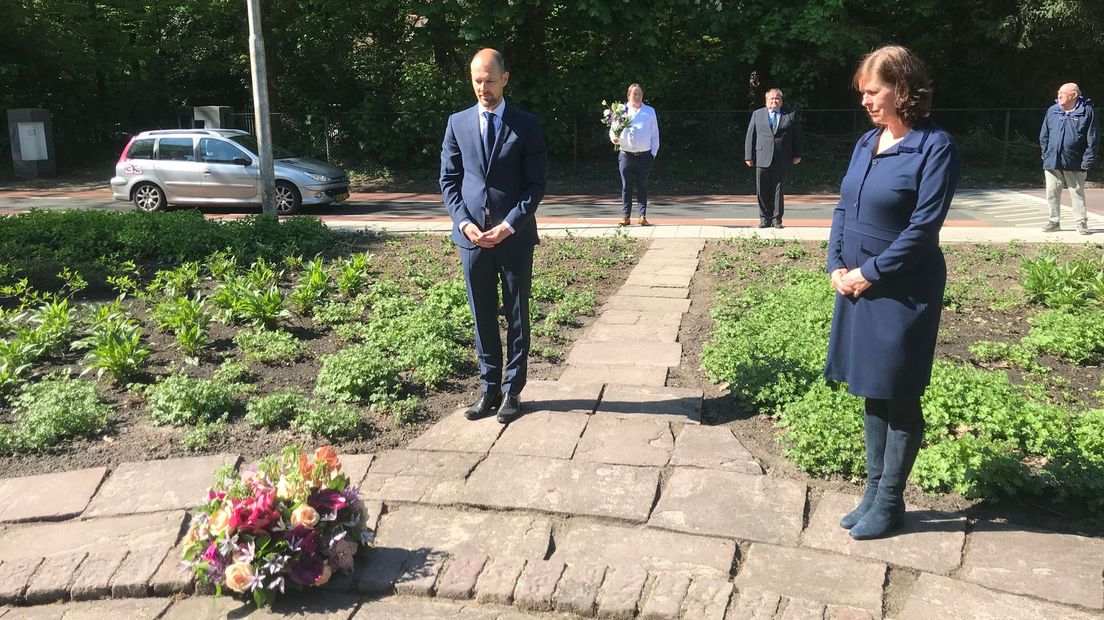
(617,117)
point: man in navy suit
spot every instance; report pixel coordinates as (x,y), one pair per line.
(772,143)
(493,162)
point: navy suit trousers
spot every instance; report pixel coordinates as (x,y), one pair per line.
(509,265)
(768,189)
(634,174)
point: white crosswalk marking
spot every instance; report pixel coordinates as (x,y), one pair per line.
(1007,207)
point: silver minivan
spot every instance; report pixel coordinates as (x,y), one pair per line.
(218,167)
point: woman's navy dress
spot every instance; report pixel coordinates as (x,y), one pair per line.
(891,208)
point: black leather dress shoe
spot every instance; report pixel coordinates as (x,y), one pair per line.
(484,407)
(764,225)
(509,410)
(778,225)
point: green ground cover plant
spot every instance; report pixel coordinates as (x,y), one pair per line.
(53,410)
(989,434)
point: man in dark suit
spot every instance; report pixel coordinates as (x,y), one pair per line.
(493,162)
(772,143)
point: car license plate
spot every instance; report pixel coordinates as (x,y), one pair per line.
(341,197)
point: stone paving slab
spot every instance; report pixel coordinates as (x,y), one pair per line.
(753,604)
(645,279)
(598,374)
(668,292)
(154,486)
(732,505)
(15,574)
(675,404)
(658,268)
(355,466)
(399,608)
(568,487)
(621,592)
(577,591)
(455,433)
(497,581)
(461,574)
(93,579)
(1059,567)
(707,598)
(814,575)
(329,607)
(665,597)
(456,531)
(134,609)
(650,550)
(801,609)
(537,584)
(606,332)
(939,598)
(51,581)
(49,497)
(712,447)
(644,317)
(626,441)
(418,476)
(421,572)
(133,576)
(158,530)
(172,577)
(626,302)
(931,541)
(629,353)
(560,397)
(543,433)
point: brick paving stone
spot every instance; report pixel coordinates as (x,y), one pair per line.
(626,441)
(537,584)
(839,612)
(559,397)
(654,291)
(14,576)
(801,609)
(130,532)
(605,332)
(577,592)
(420,573)
(454,531)
(380,569)
(460,575)
(626,353)
(655,376)
(542,433)
(133,609)
(664,600)
(941,598)
(732,505)
(930,541)
(455,433)
(567,487)
(753,604)
(707,598)
(497,582)
(1064,568)
(167,484)
(49,497)
(418,476)
(137,570)
(713,447)
(51,581)
(93,579)
(814,575)
(172,577)
(649,549)
(621,592)
(625,302)
(676,404)
(155,486)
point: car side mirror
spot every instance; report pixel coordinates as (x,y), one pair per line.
(242,161)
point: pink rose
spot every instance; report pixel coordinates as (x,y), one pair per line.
(219,522)
(305,516)
(238,576)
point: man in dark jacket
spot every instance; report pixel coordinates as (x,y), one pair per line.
(1068,141)
(772,143)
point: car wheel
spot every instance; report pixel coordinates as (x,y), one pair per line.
(149,198)
(288,199)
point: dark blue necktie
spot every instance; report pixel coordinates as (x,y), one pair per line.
(773,121)
(488,137)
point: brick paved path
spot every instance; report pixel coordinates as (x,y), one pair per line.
(607,499)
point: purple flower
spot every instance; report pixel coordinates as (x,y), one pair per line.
(327,500)
(302,539)
(308,569)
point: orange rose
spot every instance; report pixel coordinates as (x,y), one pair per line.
(305,515)
(219,521)
(238,576)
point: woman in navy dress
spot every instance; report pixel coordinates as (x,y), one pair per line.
(889,273)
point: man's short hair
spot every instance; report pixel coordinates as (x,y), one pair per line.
(775,90)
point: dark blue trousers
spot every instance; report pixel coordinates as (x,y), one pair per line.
(768,189)
(508,265)
(634,176)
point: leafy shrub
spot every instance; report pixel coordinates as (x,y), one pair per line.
(276,410)
(359,372)
(232,371)
(270,347)
(824,431)
(180,282)
(312,288)
(1073,334)
(113,345)
(353,274)
(1071,284)
(188,319)
(330,421)
(181,400)
(335,312)
(55,323)
(972,467)
(202,435)
(55,409)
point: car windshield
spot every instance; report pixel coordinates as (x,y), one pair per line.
(250,142)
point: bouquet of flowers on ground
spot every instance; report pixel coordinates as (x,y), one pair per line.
(616,117)
(290,521)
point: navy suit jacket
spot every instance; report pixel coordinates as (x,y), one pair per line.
(510,188)
(765,147)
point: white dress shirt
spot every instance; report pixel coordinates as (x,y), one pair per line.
(642,134)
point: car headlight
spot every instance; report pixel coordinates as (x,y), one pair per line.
(321,178)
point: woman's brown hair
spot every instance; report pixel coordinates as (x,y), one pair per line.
(899,68)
